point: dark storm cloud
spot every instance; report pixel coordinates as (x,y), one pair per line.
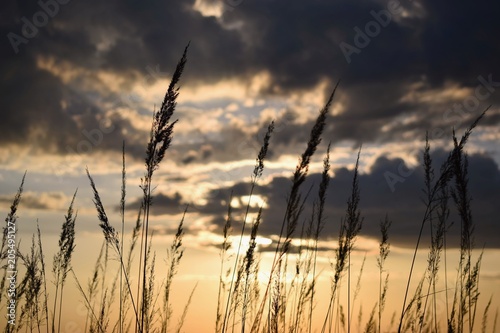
(297,42)
(389,188)
(31,98)
(38,109)
(457,39)
(41,201)
(161,204)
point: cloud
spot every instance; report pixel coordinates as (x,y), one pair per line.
(390,187)
(259,47)
(48,201)
(459,54)
(161,204)
(78,88)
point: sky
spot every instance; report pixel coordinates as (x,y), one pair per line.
(80,78)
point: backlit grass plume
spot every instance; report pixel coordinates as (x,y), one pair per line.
(292,213)
(349,230)
(62,260)
(162,128)
(111,237)
(237,274)
(9,244)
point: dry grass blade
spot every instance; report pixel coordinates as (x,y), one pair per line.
(175,254)
(67,244)
(122,213)
(33,283)
(259,167)
(62,259)
(162,128)
(293,210)
(257,173)
(10,222)
(495,322)
(44,277)
(185,311)
(108,230)
(111,236)
(485,316)
(11,219)
(446,174)
(248,263)
(160,138)
(87,302)
(349,229)
(295,204)
(226,245)
(320,223)
(384,249)
(301,171)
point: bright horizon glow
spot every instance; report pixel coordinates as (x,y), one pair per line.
(203,267)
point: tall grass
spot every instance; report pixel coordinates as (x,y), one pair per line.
(62,260)
(237,274)
(349,229)
(384,249)
(244,302)
(10,246)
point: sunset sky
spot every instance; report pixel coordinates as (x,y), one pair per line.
(80,77)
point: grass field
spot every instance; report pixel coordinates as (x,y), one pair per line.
(125,292)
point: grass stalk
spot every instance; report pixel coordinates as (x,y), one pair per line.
(122,213)
(349,229)
(87,302)
(160,139)
(256,175)
(111,237)
(495,322)
(446,174)
(485,316)
(320,223)
(384,249)
(175,254)
(248,263)
(62,260)
(182,319)
(292,211)
(9,245)
(226,245)
(358,285)
(44,277)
